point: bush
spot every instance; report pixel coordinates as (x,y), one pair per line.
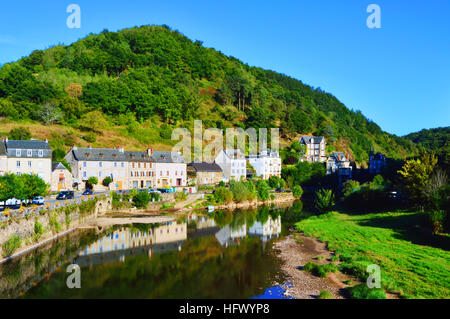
(181,196)
(239,190)
(297,191)
(106,181)
(349,187)
(20,133)
(38,230)
(263,190)
(361,291)
(275,182)
(11,245)
(91,182)
(325,295)
(141,199)
(223,195)
(319,270)
(324,200)
(90,137)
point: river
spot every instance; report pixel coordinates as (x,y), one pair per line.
(197,255)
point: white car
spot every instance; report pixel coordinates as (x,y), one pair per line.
(39,200)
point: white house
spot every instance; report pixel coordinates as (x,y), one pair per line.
(26,157)
(266,164)
(233,164)
(315,148)
(170,169)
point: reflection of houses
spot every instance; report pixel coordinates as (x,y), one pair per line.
(233,164)
(124,242)
(228,236)
(204,173)
(315,148)
(270,229)
(266,164)
(61,178)
(377,162)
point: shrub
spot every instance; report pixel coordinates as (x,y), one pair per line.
(275,181)
(223,195)
(349,187)
(325,295)
(141,199)
(90,137)
(263,190)
(38,230)
(239,190)
(106,181)
(11,245)
(222,184)
(324,199)
(319,270)
(297,191)
(180,196)
(361,291)
(20,133)
(91,182)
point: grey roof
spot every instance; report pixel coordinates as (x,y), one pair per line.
(57,165)
(167,157)
(205,167)
(312,139)
(99,154)
(35,146)
(335,155)
(234,153)
(138,156)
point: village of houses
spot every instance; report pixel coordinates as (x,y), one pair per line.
(152,169)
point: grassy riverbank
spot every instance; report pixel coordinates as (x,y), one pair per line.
(413,262)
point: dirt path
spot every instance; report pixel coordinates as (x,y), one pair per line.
(295,253)
(191,198)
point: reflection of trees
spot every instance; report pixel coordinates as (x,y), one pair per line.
(239,219)
(262,215)
(294,213)
(223,218)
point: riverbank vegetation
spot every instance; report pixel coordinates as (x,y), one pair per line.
(413,262)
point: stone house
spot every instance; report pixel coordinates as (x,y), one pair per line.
(315,148)
(62,178)
(205,173)
(170,169)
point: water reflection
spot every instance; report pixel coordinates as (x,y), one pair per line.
(217,255)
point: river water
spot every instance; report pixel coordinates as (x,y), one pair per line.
(198,255)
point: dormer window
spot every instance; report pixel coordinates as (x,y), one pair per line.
(18,153)
(40,153)
(101,155)
(29,153)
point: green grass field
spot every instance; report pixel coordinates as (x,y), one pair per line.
(412,261)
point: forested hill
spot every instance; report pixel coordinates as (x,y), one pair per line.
(436,139)
(153,74)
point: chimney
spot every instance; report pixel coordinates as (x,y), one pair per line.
(74,147)
(89,146)
(339,156)
(149,152)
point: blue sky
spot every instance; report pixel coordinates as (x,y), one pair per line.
(398,76)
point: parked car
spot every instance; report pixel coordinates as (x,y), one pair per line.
(280,190)
(88,192)
(153,190)
(39,200)
(65,195)
(165,190)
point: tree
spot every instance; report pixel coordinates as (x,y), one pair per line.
(11,186)
(49,113)
(20,133)
(94,121)
(91,182)
(349,187)
(34,186)
(141,199)
(106,181)
(416,174)
(74,90)
(223,195)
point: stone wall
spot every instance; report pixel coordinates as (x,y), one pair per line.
(24,226)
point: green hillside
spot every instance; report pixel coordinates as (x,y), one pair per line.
(147,80)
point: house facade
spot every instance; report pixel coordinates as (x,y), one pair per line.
(62,179)
(170,169)
(266,164)
(100,163)
(205,173)
(141,170)
(26,157)
(315,148)
(233,164)
(377,162)
(337,161)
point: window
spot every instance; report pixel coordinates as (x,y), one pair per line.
(29,153)
(29,164)
(18,153)
(122,164)
(100,164)
(84,174)
(18,164)
(115,164)
(100,174)
(40,153)
(84,164)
